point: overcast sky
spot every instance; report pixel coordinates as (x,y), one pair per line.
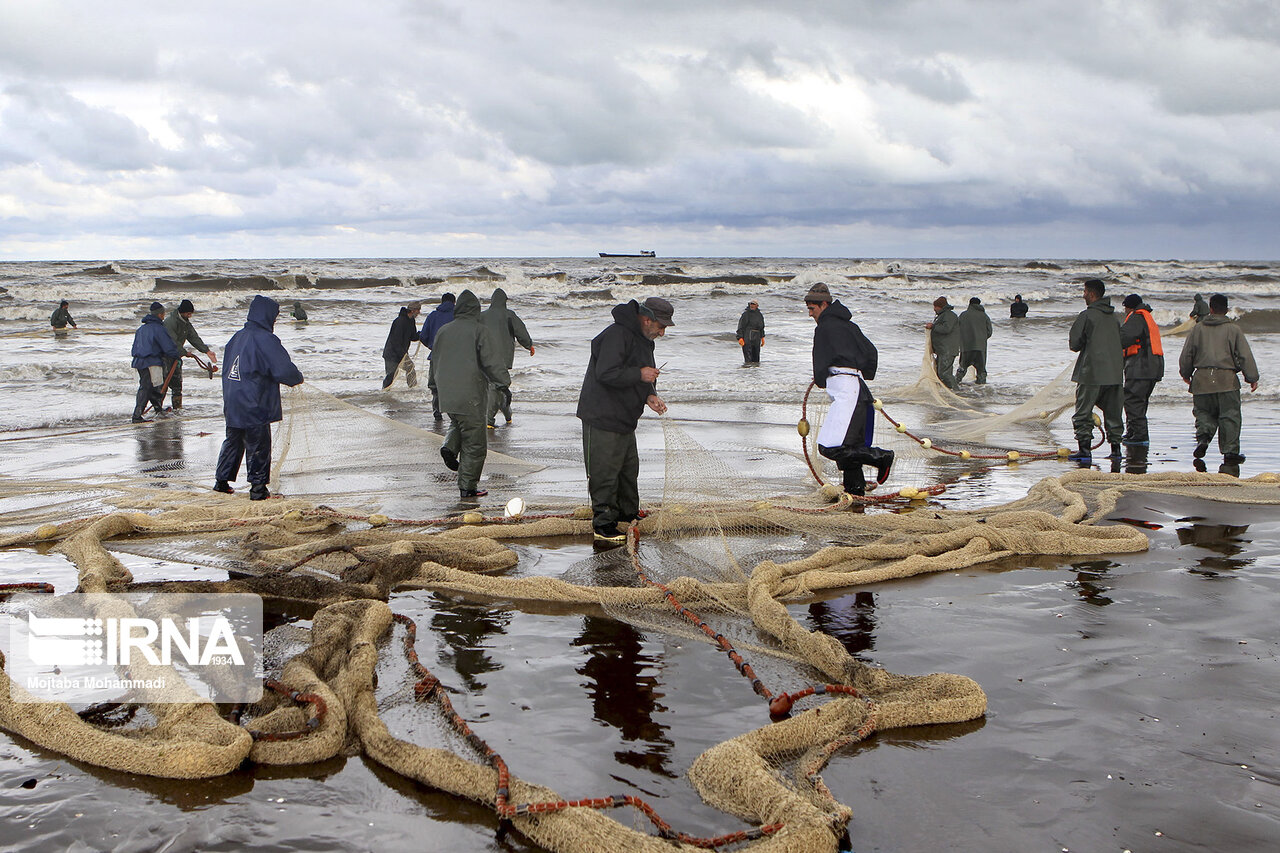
(882,128)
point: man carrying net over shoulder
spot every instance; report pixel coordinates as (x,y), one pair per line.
(843,359)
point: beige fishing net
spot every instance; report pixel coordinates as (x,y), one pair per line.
(718,560)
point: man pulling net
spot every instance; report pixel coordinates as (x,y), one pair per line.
(843,359)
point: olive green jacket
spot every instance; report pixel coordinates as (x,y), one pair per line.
(1214,353)
(180,329)
(466,360)
(946,334)
(505,327)
(975,328)
(1096,336)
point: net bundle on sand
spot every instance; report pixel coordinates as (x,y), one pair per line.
(716,560)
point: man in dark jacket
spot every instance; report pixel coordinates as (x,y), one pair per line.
(1199,308)
(442,314)
(1017,308)
(1143,367)
(1099,371)
(151,344)
(257,365)
(751,333)
(619,383)
(944,335)
(975,329)
(507,330)
(61,317)
(843,359)
(467,360)
(404,331)
(178,324)
(1214,353)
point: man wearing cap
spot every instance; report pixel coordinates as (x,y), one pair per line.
(1215,351)
(442,314)
(1143,367)
(751,333)
(975,330)
(1099,371)
(467,361)
(61,317)
(843,359)
(151,345)
(944,335)
(178,323)
(404,331)
(619,383)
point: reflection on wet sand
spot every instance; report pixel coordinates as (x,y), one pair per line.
(160,446)
(622,694)
(851,619)
(1223,540)
(464,628)
(1091,581)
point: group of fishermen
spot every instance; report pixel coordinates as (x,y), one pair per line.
(472,351)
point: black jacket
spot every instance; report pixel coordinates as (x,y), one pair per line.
(613,394)
(838,342)
(404,331)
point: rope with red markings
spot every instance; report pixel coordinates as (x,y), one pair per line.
(430,689)
(314,722)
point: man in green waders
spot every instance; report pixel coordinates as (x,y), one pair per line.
(467,360)
(1215,352)
(618,385)
(944,335)
(1099,371)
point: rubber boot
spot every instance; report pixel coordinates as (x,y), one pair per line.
(854,481)
(1084,455)
(883,461)
(1116,450)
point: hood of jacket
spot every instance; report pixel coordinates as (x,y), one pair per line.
(978,307)
(499,299)
(835,311)
(1103,304)
(1215,320)
(468,305)
(628,316)
(152,318)
(263,312)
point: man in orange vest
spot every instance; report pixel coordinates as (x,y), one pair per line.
(1143,367)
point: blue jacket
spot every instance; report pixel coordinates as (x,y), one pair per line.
(437,318)
(254,365)
(151,342)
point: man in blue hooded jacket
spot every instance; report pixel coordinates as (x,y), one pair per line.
(430,326)
(151,345)
(257,364)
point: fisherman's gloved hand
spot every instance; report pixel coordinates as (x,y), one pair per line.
(530,350)
(741,342)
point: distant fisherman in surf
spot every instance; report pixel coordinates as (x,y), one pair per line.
(257,364)
(180,330)
(975,330)
(843,359)
(404,331)
(61,317)
(151,346)
(751,333)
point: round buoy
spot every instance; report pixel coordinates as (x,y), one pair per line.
(1063,453)
(802,427)
(472,517)
(377,520)
(1014,456)
(926,443)
(964,454)
(515,508)
(1097,421)
(877,405)
(901,427)
(46,531)
(908,492)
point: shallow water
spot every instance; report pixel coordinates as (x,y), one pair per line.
(1132,700)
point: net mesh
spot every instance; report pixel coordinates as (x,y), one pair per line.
(718,560)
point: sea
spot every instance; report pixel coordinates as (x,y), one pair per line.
(1131,698)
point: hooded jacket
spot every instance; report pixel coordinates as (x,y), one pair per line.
(975,328)
(467,359)
(404,331)
(1139,331)
(152,342)
(838,342)
(255,365)
(1096,336)
(613,394)
(1215,351)
(60,318)
(505,327)
(180,329)
(945,334)
(1199,308)
(442,314)
(751,326)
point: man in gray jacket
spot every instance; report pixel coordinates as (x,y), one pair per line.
(182,332)
(1099,372)
(467,360)
(944,334)
(1215,351)
(975,330)
(506,330)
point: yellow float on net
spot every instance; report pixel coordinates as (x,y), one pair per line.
(926,443)
(877,405)
(901,427)
(830,491)
(802,427)
(1097,421)
(46,531)
(1044,416)
(908,492)
(1063,453)
(1014,455)
(472,517)
(964,454)
(377,520)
